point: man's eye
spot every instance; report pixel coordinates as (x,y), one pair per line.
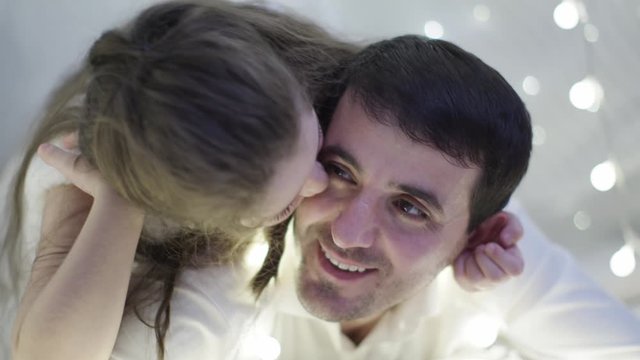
(411,210)
(336,171)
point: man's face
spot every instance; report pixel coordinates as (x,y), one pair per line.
(394,214)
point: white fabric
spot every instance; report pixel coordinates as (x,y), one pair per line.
(552,311)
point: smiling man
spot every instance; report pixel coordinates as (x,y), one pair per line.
(425,143)
(393,217)
(384,221)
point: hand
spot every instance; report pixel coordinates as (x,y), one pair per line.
(492,255)
(66,207)
(78,171)
(75,168)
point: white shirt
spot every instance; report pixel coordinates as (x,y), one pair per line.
(551,311)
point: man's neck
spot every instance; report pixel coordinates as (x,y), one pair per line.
(357,330)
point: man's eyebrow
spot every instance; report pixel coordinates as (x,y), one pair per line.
(430,198)
(340,152)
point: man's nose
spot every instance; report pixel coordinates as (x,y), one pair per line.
(355,225)
(316,182)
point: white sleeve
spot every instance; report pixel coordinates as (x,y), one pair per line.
(554,311)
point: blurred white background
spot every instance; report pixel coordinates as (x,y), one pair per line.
(42,40)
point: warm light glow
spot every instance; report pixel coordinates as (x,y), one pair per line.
(582,220)
(623,262)
(255,254)
(481,13)
(539,135)
(270,348)
(591,33)
(603,176)
(531,85)
(481,330)
(433,29)
(586,94)
(262,347)
(566,15)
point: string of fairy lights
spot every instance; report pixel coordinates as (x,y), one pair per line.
(586,94)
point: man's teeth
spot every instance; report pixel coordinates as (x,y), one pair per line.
(341,266)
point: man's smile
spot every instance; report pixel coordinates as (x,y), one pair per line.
(340,268)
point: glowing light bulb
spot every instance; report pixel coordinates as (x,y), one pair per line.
(433,29)
(481,13)
(582,220)
(566,15)
(586,94)
(603,176)
(623,261)
(531,85)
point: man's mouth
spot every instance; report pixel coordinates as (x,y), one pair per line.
(342,266)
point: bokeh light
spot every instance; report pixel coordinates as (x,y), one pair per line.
(531,85)
(539,135)
(581,220)
(566,15)
(481,13)
(591,33)
(603,176)
(623,262)
(586,94)
(433,29)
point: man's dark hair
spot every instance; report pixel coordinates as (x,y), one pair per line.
(445,97)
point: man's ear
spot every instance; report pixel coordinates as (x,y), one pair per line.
(488,231)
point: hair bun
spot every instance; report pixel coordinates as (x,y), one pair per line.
(112,48)
(157,22)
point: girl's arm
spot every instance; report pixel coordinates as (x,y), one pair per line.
(74,302)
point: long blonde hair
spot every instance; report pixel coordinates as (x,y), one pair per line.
(185,112)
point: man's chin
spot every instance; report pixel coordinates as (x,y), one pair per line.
(324,294)
(323,300)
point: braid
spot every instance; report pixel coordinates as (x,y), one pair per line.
(269,269)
